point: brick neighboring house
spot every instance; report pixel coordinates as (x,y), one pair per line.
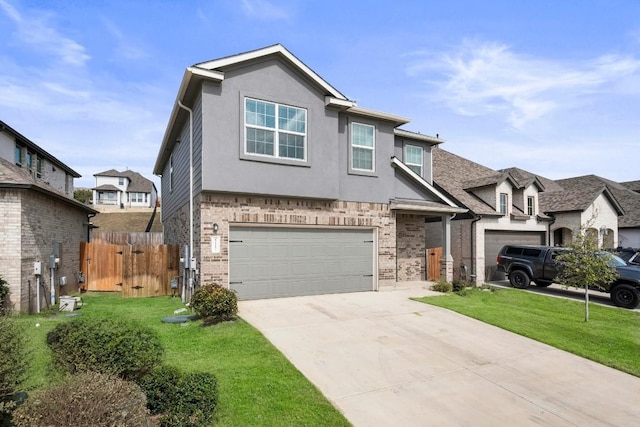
(296,189)
(40,218)
(123,190)
(514,206)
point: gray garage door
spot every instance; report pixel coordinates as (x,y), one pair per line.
(280,262)
(494,240)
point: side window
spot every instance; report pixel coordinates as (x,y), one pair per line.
(363,146)
(17,154)
(171,173)
(531,252)
(514,251)
(531,206)
(504,203)
(413,158)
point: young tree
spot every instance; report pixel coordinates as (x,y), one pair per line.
(83,194)
(583,265)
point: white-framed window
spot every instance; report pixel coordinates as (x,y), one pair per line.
(531,205)
(136,197)
(120,180)
(413,158)
(29,160)
(275,130)
(363,147)
(171,173)
(504,203)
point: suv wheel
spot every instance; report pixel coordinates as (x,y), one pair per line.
(519,279)
(625,296)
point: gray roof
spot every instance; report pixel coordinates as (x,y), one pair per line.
(13,176)
(628,200)
(457,176)
(137,182)
(632,185)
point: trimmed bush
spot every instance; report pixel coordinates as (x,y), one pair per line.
(14,362)
(215,302)
(459,285)
(442,286)
(86,399)
(183,400)
(109,346)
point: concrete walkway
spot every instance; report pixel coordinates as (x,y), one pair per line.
(384,360)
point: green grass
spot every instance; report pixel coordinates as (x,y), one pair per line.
(610,337)
(257,384)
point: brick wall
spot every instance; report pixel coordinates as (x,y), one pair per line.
(32,223)
(228,209)
(410,232)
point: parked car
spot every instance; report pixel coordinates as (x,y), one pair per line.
(524,264)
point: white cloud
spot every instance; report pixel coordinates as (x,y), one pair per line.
(36,31)
(483,78)
(265,10)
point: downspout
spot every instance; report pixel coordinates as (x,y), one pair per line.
(473,276)
(553,220)
(190,260)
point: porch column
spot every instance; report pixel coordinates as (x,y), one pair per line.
(446,262)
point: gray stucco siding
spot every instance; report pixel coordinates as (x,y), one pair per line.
(399,152)
(228,169)
(407,188)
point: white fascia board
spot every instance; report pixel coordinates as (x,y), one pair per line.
(207,74)
(397,120)
(397,163)
(330,101)
(417,136)
(277,48)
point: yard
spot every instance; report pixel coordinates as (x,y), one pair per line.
(611,337)
(257,384)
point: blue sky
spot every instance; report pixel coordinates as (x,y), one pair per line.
(552,87)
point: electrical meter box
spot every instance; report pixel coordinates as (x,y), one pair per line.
(37,268)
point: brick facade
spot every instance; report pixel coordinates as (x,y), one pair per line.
(31,224)
(401,255)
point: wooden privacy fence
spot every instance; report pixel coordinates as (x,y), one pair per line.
(122,238)
(136,270)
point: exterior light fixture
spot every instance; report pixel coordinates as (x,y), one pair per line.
(215,227)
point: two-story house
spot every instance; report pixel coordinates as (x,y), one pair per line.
(282,186)
(41,222)
(127,189)
(513,206)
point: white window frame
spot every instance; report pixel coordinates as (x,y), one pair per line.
(531,205)
(277,131)
(353,145)
(504,203)
(414,165)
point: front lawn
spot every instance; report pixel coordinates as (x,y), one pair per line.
(257,384)
(611,337)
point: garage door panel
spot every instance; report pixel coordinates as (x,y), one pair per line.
(494,240)
(277,262)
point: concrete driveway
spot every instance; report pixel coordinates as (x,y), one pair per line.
(384,360)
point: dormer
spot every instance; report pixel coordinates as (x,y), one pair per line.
(526,199)
(414,150)
(496,190)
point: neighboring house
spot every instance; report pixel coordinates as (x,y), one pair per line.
(627,233)
(40,219)
(126,189)
(296,189)
(513,206)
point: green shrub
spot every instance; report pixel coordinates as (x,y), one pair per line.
(110,346)
(442,286)
(215,302)
(4,297)
(86,399)
(14,362)
(459,285)
(184,400)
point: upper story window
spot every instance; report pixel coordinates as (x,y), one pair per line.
(120,180)
(363,147)
(39,166)
(504,203)
(275,130)
(413,158)
(17,155)
(531,206)
(29,160)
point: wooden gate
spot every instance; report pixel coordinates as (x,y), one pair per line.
(136,270)
(433,264)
